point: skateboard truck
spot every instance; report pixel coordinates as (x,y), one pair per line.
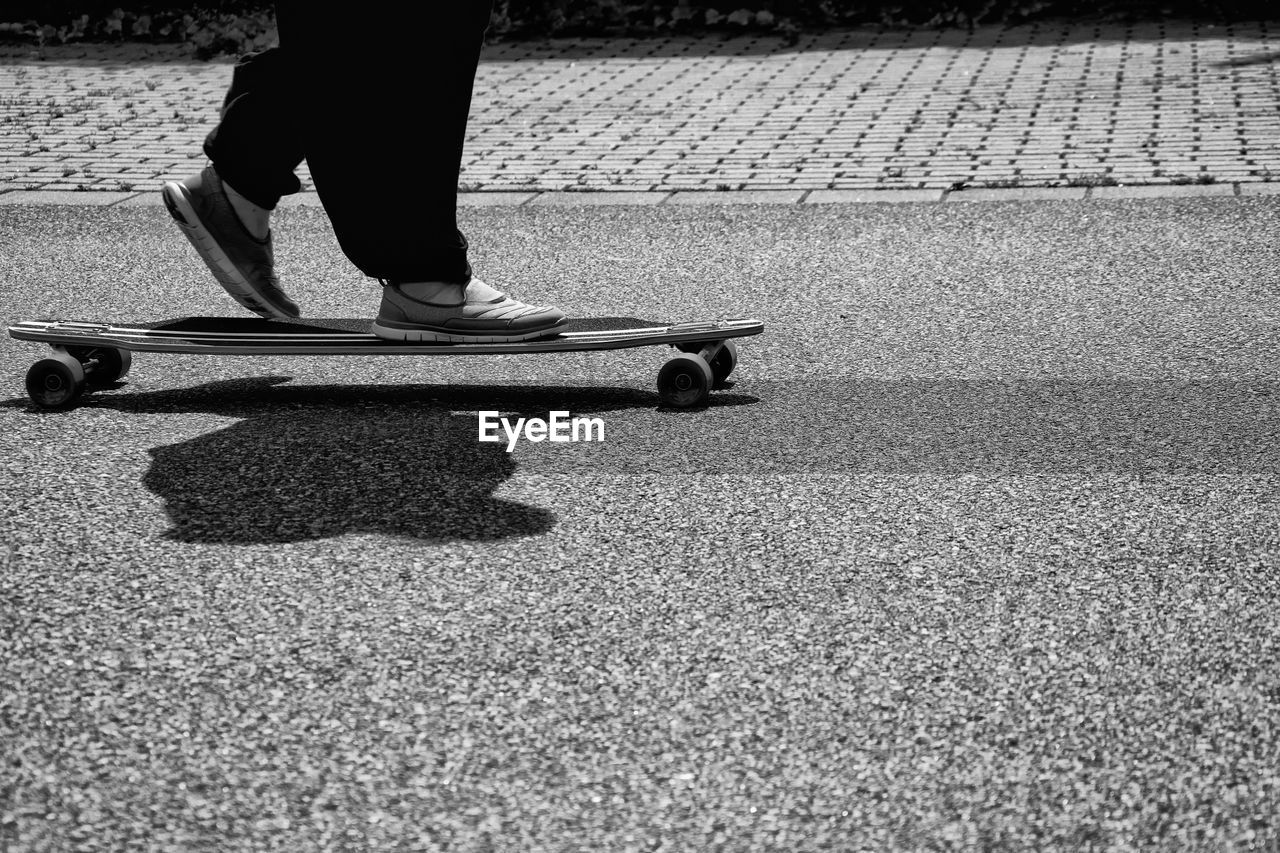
(57,381)
(686,380)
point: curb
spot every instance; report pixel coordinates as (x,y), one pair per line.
(650,198)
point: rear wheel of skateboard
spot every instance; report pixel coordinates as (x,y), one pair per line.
(685,381)
(55,383)
(102,365)
(724,362)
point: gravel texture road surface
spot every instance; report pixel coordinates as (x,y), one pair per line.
(979,551)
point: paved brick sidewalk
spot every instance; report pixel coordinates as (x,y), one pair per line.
(1062,105)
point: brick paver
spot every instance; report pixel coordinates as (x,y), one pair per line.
(1061,105)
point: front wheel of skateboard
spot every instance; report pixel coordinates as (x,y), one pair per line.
(685,381)
(722,364)
(55,383)
(102,365)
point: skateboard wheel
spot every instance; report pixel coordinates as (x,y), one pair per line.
(685,381)
(724,362)
(55,383)
(722,365)
(102,365)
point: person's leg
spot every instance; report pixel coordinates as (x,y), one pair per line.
(256,146)
(383,111)
(224,210)
(384,122)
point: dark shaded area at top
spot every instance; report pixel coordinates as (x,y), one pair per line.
(1044,33)
(560,29)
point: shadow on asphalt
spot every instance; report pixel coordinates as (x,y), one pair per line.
(313,462)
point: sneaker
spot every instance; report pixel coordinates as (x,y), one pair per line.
(483,316)
(242,264)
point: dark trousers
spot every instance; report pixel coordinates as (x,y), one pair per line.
(377,105)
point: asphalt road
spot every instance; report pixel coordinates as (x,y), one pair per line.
(980,550)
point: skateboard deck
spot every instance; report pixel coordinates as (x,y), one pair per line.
(88,355)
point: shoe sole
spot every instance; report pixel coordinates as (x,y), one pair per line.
(425,334)
(231,279)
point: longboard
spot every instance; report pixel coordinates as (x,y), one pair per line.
(90,355)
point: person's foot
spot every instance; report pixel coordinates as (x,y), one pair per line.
(242,263)
(473,313)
